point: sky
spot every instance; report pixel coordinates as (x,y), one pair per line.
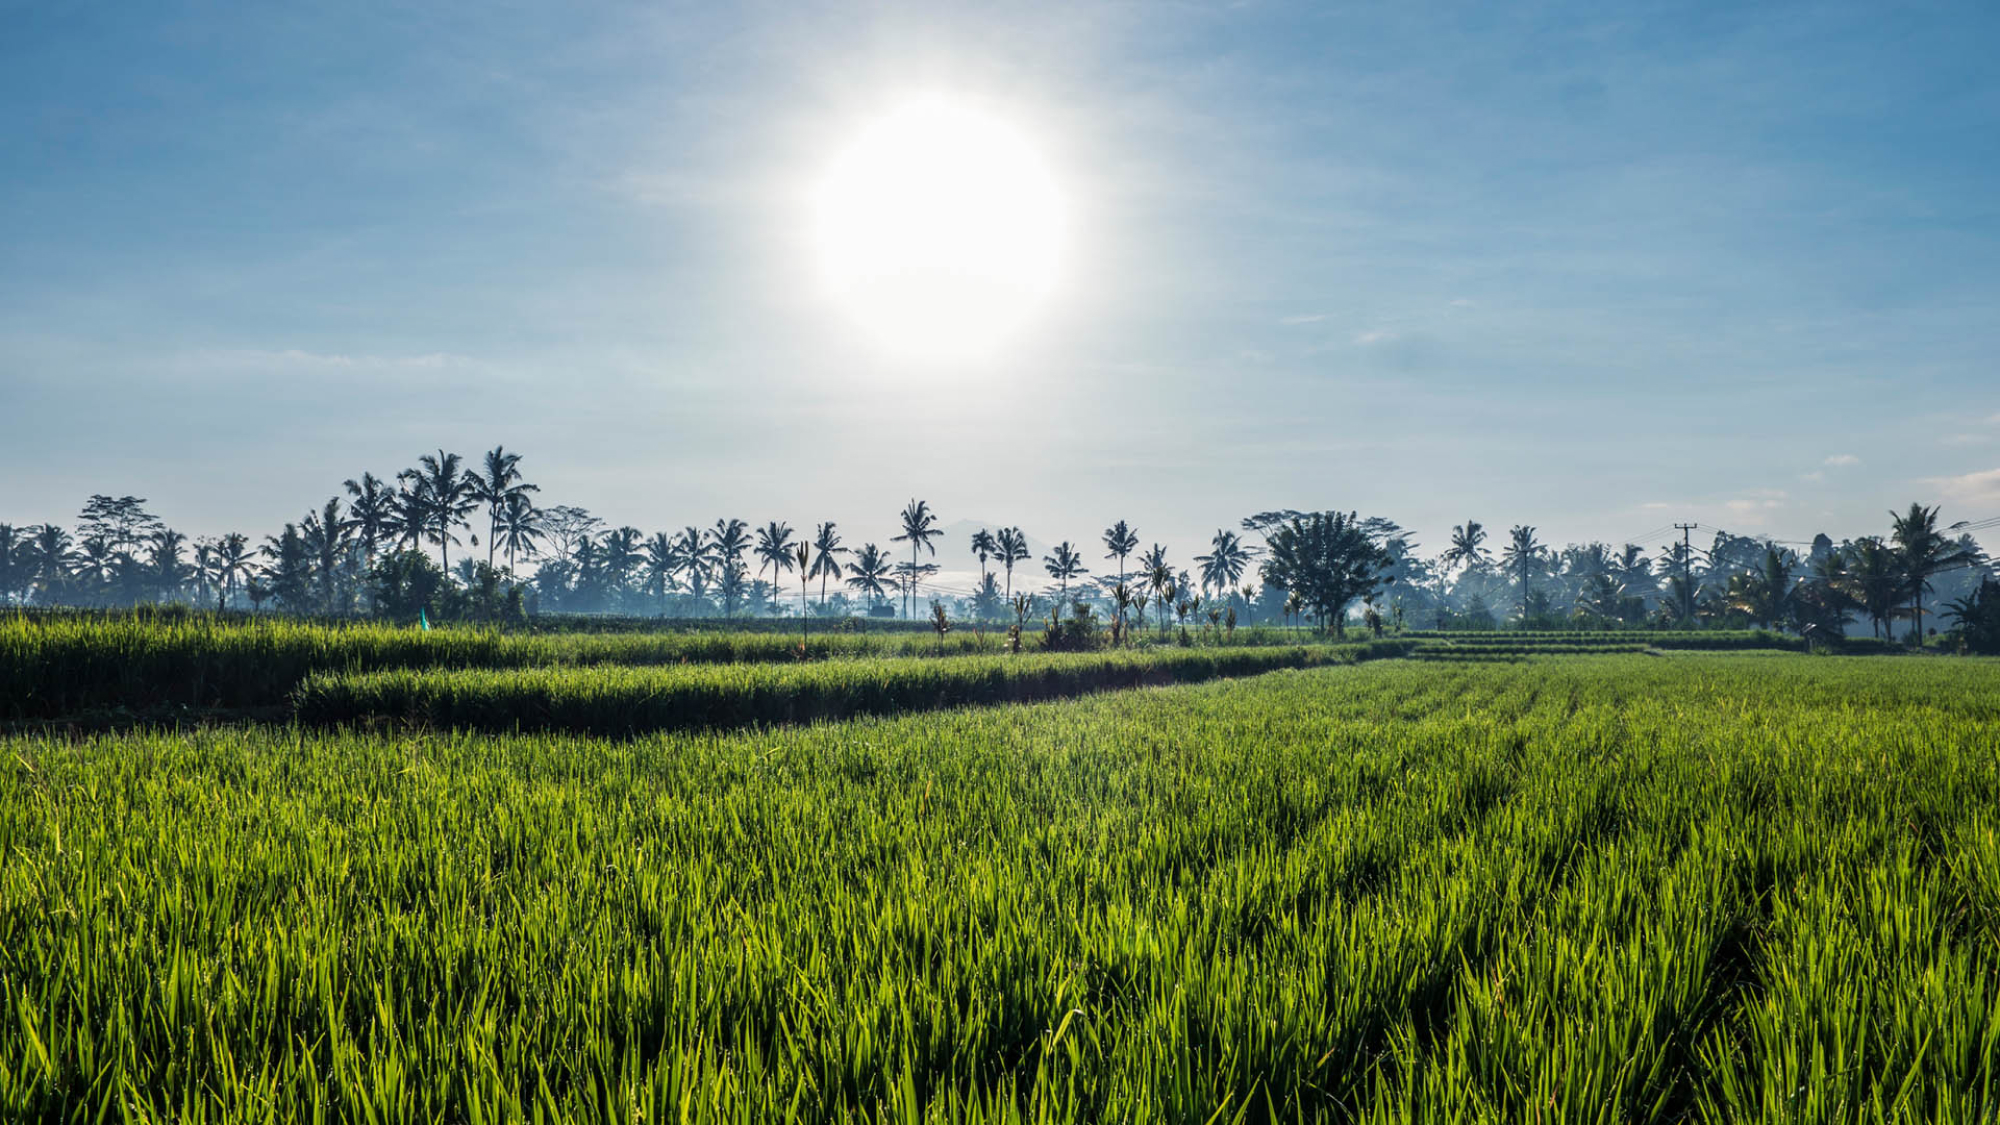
(1595,267)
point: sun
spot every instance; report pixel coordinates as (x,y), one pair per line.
(939,230)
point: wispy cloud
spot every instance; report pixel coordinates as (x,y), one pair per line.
(1815,476)
(1312,318)
(1843,460)
(1755,507)
(1374,336)
(1970,488)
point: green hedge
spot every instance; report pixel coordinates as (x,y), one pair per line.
(628,700)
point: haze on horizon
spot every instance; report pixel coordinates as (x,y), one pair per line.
(1591,268)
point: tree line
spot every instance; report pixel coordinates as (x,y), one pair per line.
(366,551)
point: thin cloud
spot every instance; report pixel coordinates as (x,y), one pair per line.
(1843,460)
(1313,318)
(1815,476)
(1755,507)
(1969,488)
(1374,336)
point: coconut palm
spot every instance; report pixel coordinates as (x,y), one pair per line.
(1875,581)
(232,557)
(984,548)
(1159,577)
(445,494)
(51,553)
(662,562)
(774,551)
(727,541)
(371,512)
(169,571)
(622,553)
(1523,556)
(697,557)
(1467,548)
(869,573)
(1922,551)
(95,560)
(520,526)
(500,480)
(918,531)
(407,514)
(1120,540)
(326,534)
(826,562)
(1063,564)
(1013,549)
(1224,563)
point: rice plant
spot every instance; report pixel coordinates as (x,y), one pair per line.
(1618,888)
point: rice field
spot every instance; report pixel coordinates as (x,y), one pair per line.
(1596,888)
(159,664)
(622,701)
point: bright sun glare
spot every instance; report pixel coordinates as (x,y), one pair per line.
(939,230)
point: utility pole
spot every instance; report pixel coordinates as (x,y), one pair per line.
(1687,579)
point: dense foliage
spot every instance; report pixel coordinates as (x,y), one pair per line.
(1634,888)
(368,555)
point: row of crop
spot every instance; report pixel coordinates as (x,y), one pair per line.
(627,700)
(51,666)
(1614,889)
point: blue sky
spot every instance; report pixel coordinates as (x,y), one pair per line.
(1592,267)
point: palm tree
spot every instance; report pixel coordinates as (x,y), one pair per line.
(407,513)
(870,572)
(500,482)
(826,564)
(371,512)
(985,547)
(232,559)
(1013,549)
(445,493)
(697,560)
(663,559)
(1467,548)
(1063,564)
(1875,581)
(622,553)
(727,541)
(918,533)
(1160,579)
(774,550)
(169,572)
(1922,550)
(1765,594)
(1224,563)
(326,535)
(50,552)
(520,526)
(1522,556)
(1120,540)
